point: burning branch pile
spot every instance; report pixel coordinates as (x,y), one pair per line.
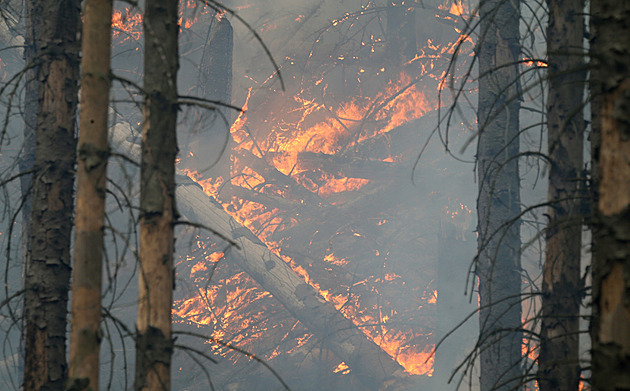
(316,191)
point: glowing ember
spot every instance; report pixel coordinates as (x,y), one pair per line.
(433,298)
(538,63)
(343,368)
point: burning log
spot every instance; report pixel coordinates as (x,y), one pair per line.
(348,166)
(375,368)
(269,200)
(272,175)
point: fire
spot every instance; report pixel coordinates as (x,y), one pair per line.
(457,9)
(127,22)
(434,297)
(538,63)
(343,368)
(320,129)
(280,141)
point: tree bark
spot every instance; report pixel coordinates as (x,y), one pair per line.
(48,264)
(154,345)
(610,85)
(91,187)
(27,155)
(558,360)
(498,266)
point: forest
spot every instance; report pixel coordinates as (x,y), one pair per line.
(382,195)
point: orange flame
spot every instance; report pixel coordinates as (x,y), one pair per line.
(285,130)
(127,22)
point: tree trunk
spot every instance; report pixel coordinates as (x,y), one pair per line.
(154,345)
(48,263)
(610,84)
(91,187)
(209,136)
(27,155)
(498,266)
(558,361)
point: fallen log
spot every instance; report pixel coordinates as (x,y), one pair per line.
(348,166)
(375,368)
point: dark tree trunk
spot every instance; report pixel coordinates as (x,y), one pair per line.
(498,267)
(154,345)
(610,85)
(559,353)
(48,268)
(209,137)
(27,155)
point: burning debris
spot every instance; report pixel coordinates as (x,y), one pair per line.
(314,187)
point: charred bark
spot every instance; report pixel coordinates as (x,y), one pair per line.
(154,345)
(498,265)
(610,85)
(48,268)
(90,211)
(558,361)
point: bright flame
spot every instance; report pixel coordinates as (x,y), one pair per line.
(538,63)
(127,22)
(457,9)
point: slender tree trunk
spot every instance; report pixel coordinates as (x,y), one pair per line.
(498,267)
(610,85)
(27,156)
(91,186)
(157,196)
(48,268)
(558,361)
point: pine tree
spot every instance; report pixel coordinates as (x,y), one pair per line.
(157,196)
